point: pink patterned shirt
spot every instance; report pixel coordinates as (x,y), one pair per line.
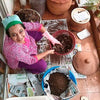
(15,52)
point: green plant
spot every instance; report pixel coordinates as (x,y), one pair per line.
(98,15)
(92,4)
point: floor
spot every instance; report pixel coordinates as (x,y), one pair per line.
(89,87)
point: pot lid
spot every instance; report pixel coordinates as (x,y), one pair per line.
(85,63)
(60,1)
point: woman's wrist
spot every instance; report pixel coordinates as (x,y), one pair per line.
(42,29)
(42,55)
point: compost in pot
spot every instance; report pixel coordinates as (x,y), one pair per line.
(67,44)
(58,83)
(28,15)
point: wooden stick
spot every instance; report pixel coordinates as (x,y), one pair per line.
(95,34)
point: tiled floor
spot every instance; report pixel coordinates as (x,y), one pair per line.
(89,87)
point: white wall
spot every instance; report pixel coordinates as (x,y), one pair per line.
(9,5)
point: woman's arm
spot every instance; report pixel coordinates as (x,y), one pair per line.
(40,56)
(49,36)
(32,26)
(22,56)
(42,29)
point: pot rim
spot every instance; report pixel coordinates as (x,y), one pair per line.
(76,10)
(32,11)
(59,32)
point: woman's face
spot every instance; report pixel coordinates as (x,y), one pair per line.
(17,33)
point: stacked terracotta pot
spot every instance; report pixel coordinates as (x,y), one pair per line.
(80,21)
(58,7)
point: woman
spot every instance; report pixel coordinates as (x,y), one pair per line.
(20,48)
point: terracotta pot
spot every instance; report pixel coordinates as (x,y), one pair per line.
(86,65)
(76,23)
(58,7)
(76,26)
(28,15)
(70,35)
(38,5)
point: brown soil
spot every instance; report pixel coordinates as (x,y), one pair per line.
(28,16)
(67,44)
(58,83)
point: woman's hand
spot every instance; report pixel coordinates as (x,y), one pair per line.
(51,38)
(50,51)
(40,56)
